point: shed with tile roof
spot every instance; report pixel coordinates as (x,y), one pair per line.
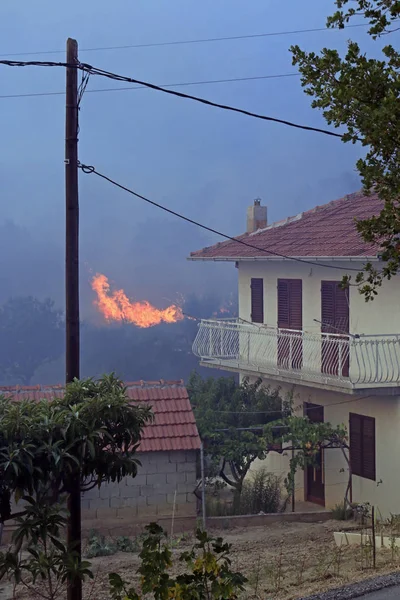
(168,453)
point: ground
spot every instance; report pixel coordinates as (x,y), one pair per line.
(283,561)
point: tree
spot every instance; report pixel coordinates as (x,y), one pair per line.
(231,419)
(362,94)
(49,448)
(31,334)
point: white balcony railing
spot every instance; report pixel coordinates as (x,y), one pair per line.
(344,360)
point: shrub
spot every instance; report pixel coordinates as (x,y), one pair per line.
(341,512)
(261,494)
(207,575)
(99,546)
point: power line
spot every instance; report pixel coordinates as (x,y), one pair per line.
(185,42)
(89,169)
(115,77)
(166,85)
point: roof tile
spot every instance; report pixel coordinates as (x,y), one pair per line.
(174,426)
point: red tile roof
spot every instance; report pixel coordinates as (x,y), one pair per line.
(327,230)
(174,426)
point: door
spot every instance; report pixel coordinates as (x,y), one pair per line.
(290,320)
(314,474)
(335,349)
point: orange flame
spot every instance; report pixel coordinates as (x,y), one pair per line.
(116,306)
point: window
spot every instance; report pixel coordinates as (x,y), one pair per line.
(257,300)
(290,304)
(335,320)
(362,446)
(334,308)
(290,316)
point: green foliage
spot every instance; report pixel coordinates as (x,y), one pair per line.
(362,94)
(342,512)
(98,545)
(126,544)
(31,334)
(47,562)
(221,404)
(208,574)
(261,493)
(87,437)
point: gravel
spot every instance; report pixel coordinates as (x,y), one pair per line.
(358,590)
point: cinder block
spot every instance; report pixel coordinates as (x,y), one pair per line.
(166,467)
(94,493)
(186,468)
(176,478)
(157,480)
(99,503)
(85,504)
(126,513)
(157,457)
(180,498)
(140,479)
(106,513)
(191,498)
(190,477)
(123,502)
(147,510)
(109,490)
(183,488)
(177,456)
(132,491)
(156,499)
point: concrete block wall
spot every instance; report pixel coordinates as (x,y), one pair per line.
(162,478)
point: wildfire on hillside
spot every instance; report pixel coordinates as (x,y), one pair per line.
(116,306)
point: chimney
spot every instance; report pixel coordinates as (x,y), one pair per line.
(256,216)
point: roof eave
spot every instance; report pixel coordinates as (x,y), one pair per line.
(360,259)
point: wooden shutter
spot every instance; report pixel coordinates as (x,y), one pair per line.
(257,300)
(290,304)
(355,444)
(328,306)
(368,425)
(283,304)
(362,446)
(334,308)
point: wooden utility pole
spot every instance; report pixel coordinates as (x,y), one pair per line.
(74,533)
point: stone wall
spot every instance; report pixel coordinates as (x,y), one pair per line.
(134,502)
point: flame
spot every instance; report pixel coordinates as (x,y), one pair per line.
(116,306)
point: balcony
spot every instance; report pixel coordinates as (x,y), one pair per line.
(346,362)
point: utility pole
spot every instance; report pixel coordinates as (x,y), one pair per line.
(74,533)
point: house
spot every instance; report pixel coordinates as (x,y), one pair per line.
(168,454)
(300,330)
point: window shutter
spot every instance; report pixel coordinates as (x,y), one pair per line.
(362,446)
(369,448)
(328,306)
(283,304)
(355,444)
(342,310)
(257,300)
(296,304)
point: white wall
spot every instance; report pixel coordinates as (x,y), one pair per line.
(378,317)
(384,493)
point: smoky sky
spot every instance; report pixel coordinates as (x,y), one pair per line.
(203,162)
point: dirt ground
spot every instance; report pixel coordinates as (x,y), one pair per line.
(283,561)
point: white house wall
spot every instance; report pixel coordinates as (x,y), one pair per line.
(382,316)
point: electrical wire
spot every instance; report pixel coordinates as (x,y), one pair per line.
(185,42)
(152,86)
(115,77)
(90,169)
(166,85)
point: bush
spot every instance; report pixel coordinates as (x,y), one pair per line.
(261,494)
(99,546)
(341,512)
(207,574)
